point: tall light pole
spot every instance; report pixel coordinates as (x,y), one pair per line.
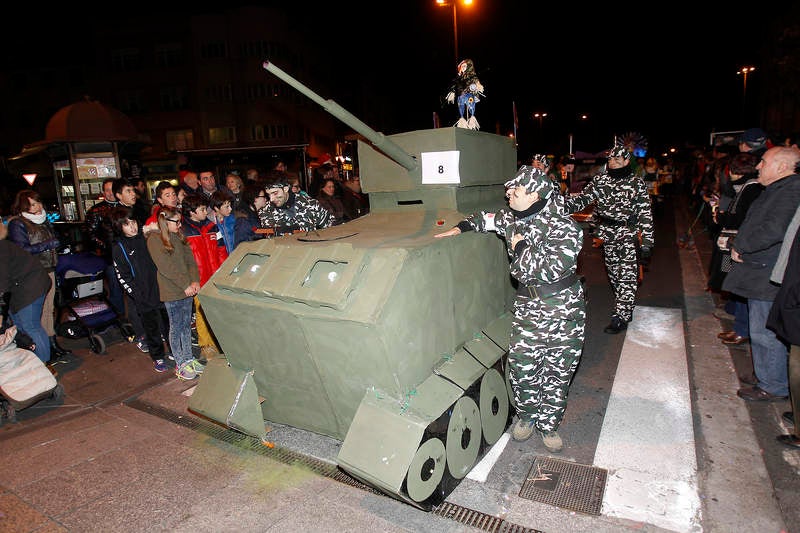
(744,71)
(454,4)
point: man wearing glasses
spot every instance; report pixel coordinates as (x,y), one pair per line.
(624,216)
(288,212)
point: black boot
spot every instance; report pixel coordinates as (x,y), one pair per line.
(57,351)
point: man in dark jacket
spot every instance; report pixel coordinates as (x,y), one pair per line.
(754,253)
(102,235)
(784,318)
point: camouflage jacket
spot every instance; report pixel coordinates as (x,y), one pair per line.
(625,201)
(552,241)
(299,213)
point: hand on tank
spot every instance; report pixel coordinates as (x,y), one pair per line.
(448,233)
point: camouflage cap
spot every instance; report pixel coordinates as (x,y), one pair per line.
(619,150)
(533,179)
(276,184)
(541,158)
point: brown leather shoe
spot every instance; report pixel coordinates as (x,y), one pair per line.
(726,334)
(755,394)
(736,339)
(789,440)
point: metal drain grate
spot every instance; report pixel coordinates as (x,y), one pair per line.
(457,513)
(564,484)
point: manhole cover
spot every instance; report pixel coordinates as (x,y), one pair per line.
(564,484)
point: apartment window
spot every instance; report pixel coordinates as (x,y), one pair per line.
(264,132)
(173,98)
(169,55)
(222,135)
(213,50)
(125,60)
(130,102)
(219,93)
(180,140)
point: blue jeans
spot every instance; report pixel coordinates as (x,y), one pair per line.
(29,320)
(741,322)
(770,355)
(180,330)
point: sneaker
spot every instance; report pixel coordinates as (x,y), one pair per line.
(169,356)
(523,430)
(143,347)
(552,441)
(186,372)
(197,366)
(159,366)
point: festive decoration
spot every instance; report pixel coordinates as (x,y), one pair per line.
(466,90)
(635,142)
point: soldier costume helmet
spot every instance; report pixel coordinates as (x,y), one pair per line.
(533,179)
(543,159)
(619,150)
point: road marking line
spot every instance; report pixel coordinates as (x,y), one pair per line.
(647,439)
(481,470)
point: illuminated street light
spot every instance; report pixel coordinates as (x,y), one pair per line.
(454,4)
(540,117)
(744,71)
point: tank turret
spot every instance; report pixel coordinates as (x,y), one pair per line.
(373,332)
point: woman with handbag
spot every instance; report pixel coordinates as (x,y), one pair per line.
(744,184)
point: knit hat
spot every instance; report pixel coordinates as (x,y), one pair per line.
(619,150)
(533,179)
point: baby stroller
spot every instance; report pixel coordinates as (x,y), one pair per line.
(79,292)
(24,379)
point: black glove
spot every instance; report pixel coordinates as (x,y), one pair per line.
(647,252)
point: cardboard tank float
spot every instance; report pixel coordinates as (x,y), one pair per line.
(373,332)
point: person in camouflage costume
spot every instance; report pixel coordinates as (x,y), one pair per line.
(288,212)
(548,328)
(622,214)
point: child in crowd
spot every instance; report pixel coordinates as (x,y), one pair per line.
(137,275)
(222,213)
(205,240)
(178,284)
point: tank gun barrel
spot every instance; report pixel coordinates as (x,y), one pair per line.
(377,138)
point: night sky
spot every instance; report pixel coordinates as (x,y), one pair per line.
(670,77)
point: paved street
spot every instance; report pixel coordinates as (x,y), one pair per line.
(123,453)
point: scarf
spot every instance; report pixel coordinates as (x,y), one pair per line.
(36,219)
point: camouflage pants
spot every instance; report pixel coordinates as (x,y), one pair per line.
(623,272)
(544,351)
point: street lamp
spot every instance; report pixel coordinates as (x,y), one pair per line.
(540,116)
(454,4)
(744,71)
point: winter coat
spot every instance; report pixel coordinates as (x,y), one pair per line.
(207,245)
(99,225)
(136,272)
(21,274)
(784,317)
(176,270)
(245,225)
(759,240)
(38,239)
